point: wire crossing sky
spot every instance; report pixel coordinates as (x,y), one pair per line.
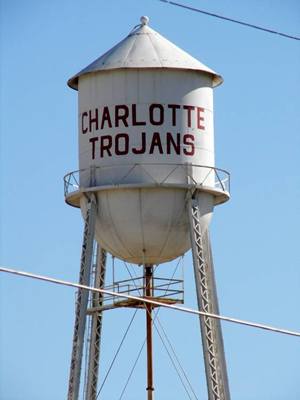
(198,10)
(157,303)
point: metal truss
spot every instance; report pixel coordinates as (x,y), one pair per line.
(82,299)
(212,342)
(96,326)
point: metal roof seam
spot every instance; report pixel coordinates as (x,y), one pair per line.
(134,51)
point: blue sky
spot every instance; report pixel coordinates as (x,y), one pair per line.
(255,236)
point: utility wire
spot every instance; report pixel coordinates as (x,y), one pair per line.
(117,352)
(198,10)
(154,302)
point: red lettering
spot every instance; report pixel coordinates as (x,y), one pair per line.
(118,141)
(188,140)
(152,114)
(134,120)
(189,114)
(174,107)
(105,146)
(83,130)
(156,142)
(121,117)
(93,140)
(143,145)
(106,117)
(171,141)
(93,120)
(199,118)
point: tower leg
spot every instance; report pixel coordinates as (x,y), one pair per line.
(212,341)
(96,327)
(82,300)
(149,326)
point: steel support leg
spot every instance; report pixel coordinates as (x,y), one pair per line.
(212,341)
(96,327)
(82,300)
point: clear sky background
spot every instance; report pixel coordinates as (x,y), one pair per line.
(255,236)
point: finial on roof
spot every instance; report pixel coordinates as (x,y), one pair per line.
(144,20)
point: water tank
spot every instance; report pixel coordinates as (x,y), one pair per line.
(146,143)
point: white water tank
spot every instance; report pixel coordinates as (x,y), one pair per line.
(146,143)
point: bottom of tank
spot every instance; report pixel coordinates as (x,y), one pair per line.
(146,225)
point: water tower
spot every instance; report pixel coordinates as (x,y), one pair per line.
(146,185)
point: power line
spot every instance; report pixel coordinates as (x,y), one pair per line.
(154,302)
(198,10)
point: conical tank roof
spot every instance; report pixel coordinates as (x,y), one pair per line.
(145,48)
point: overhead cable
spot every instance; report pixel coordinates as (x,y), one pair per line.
(198,10)
(154,302)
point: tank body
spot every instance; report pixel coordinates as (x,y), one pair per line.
(143,132)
